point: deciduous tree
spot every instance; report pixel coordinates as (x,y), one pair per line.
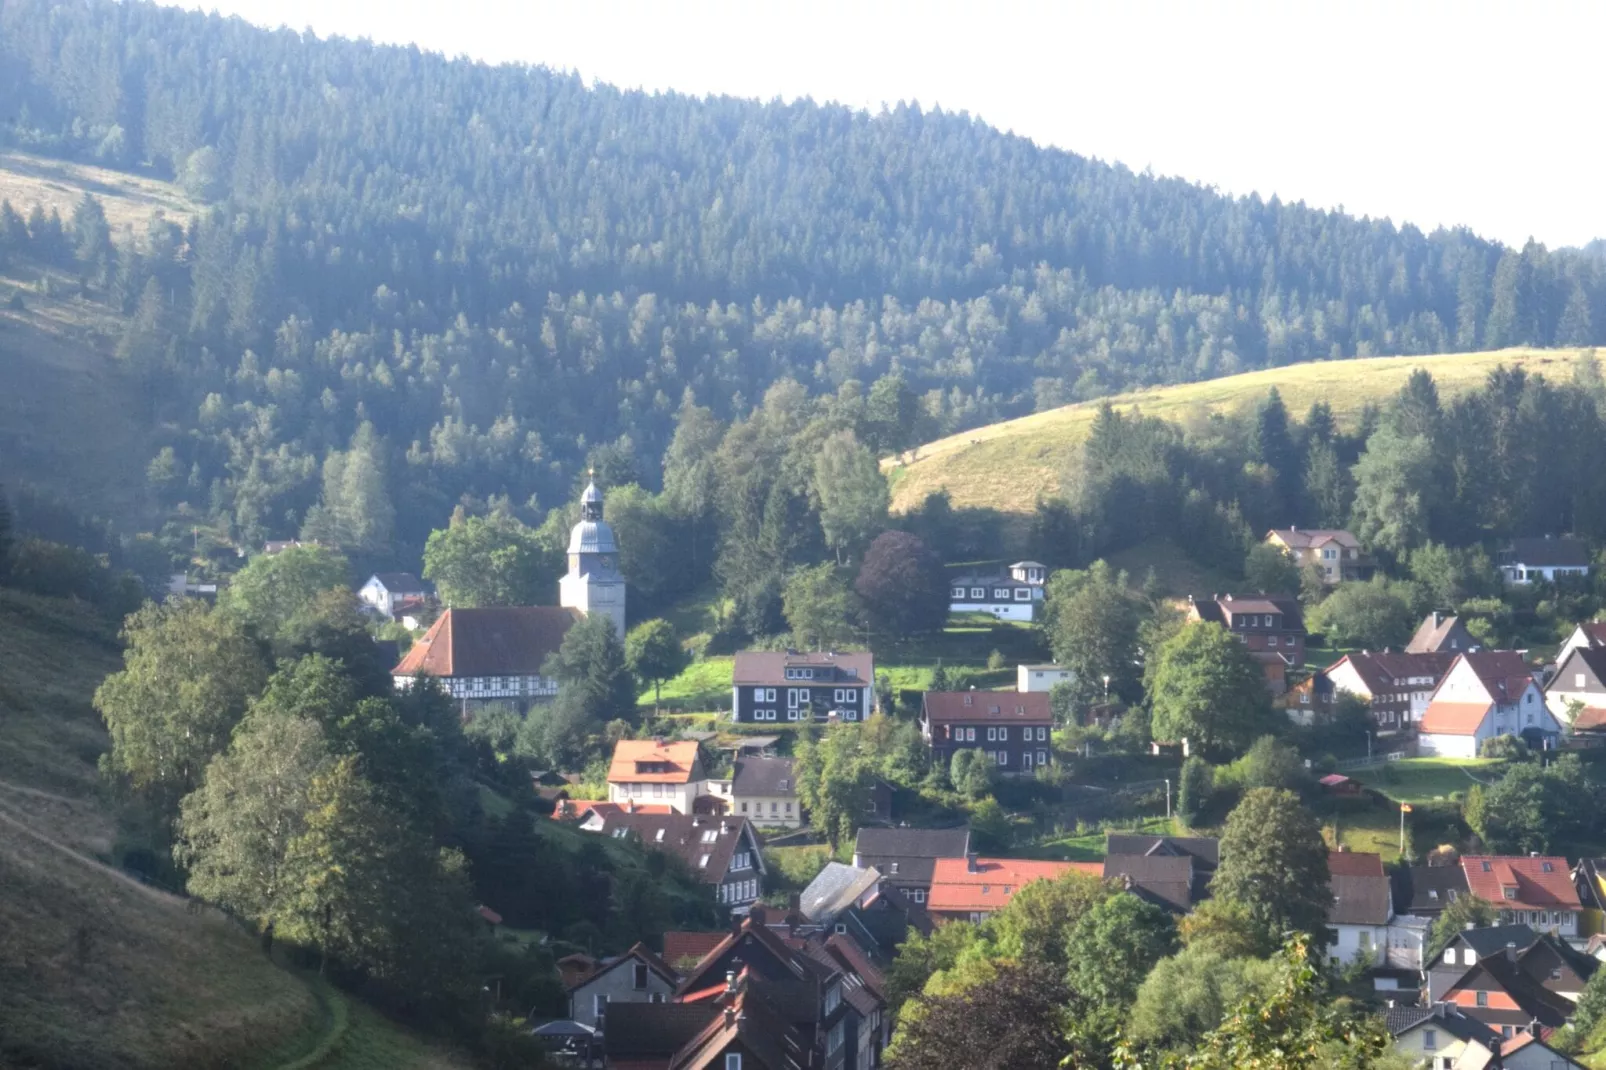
(1204,686)
(1273,861)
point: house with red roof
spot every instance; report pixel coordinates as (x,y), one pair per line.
(970,888)
(1533,890)
(651,771)
(1396,687)
(1267,624)
(489,654)
(1484,694)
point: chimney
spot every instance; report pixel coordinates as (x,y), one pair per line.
(730,980)
(1511,951)
(1438,618)
(730,1015)
(970,862)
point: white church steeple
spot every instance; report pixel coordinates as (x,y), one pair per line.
(594,584)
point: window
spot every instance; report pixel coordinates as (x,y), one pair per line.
(919,895)
(978,593)
(992,735)
(1023,594)
(656,997)
(1546,867)
(970,735)
(1449,956)
(1003,733)
(599,1005)
(1000,594)
(710,835)
(769,695)
(1468,956)
(744,808)
(803,695)
(1042,757)
(1003,757)
(1304,698)
(640,979)
(791,697)
(758,694)
(1509,891)
(833,998)
(788,808)
(775,807)
(1578,681)
(791,715)
(1026,760)
(958,593)
(657,791)
(1288,640)
(1430,1039)
(1483,999)
(733,1061)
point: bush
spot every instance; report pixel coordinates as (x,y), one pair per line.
(57,571)
(1508,747)
(1194,788)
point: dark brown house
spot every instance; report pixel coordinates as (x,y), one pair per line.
(1011,727)
(1267,624)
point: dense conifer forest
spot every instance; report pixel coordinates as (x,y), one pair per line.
(416,281)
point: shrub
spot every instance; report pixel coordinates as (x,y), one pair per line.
(1508,746)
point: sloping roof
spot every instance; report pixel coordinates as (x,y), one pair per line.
(492,641)
(1453,718)
(994,882)
(1426,890)
(646,1030)
(1594,631)
(1015,707)
(631,755)
(679,946)
(1503,673)
(1165,880)
(1303,537)
(754,1021)
(1217,608)
(1379,670)
(1594,659)
(1359,900)
(1590,719)
(1354,864)
(1205,850)
(1433,634)
(637,953)
(912,843)
(853,958)
(769,666)
(1539,883)
(763,776)
(834,889)
(399,582)
(1441,1016)
(705,844)
(1549,553)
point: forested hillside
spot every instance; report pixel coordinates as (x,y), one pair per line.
(415,280)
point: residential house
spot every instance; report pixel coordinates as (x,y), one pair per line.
(1336,553)
(1395,687)
(646,1036)
(1529,1052)
(494,654)
(1590,634)
(1310,700)
(750,1032)
(1579,683)
(1548,559)
(1424,891)
(393,594)
(1510,978)
(763,789)
(637,976)
(907,858)
(835,889)
(1013,596)
(1362,908)
(723,852)
(881,923)
(801,686)
(1530,890)
(1439,1037)
(1010,727)
(971,888)
(1042,677)
(1441,633)
(1482,695)
(651,771)
(1589,881)
(1172,872)
(1267,624)
(809,987)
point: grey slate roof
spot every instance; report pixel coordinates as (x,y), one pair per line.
(1550,553)
(1359,900)
(836,888)
(913,843)
(1205,850)
(763,776)
(1426,890)
(1165,880)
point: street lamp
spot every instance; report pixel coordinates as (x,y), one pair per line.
(1106,687)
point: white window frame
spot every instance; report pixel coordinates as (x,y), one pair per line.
(978,593)
(1042,757)
(733,1060)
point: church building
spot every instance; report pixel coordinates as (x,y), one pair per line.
(594,584)
(497,653)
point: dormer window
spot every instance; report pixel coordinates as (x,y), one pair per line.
(1509,891)
(1546,867)
(1486,867)
(1433,893)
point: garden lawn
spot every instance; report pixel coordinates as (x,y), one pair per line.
(1089,846)
(1413,780)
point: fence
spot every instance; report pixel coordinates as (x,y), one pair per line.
(1351,764)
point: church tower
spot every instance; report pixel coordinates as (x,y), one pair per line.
(594,584)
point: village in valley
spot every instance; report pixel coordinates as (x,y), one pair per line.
(1467,954)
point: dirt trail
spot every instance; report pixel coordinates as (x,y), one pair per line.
(10,816)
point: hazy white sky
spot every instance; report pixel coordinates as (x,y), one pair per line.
(1433,113)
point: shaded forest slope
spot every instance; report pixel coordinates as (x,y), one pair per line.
(1007,466)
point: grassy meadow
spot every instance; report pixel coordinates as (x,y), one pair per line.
(1007,466)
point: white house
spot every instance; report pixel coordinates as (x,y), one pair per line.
(1042,677)
(1015,596)
(1362,907)
(1589,635)
(763,790)
(1486,693)
(389,594)
(652,772)
(1580,678)
(1549,559)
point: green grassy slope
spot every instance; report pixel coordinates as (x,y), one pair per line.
(1007,466)
(97,970)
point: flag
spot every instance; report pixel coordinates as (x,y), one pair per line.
(1405,808)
